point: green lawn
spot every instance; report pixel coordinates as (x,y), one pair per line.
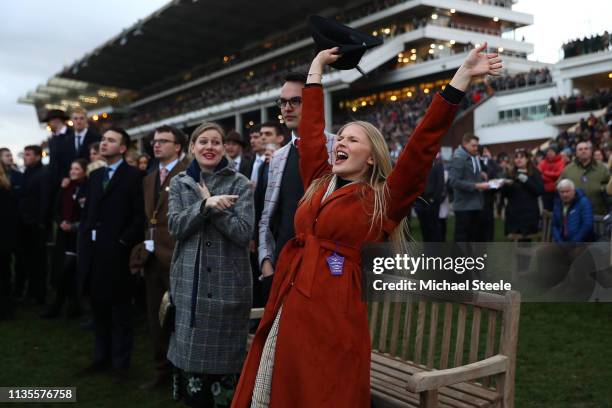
(564,358)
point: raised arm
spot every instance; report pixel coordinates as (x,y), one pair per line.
(408,177)
(313,142)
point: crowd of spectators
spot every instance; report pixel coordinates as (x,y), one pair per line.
(587,45)
(580,103)
(521,80)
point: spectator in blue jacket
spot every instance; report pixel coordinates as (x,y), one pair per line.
(572,214)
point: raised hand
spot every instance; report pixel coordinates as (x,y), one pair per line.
(477,63)
(323,58)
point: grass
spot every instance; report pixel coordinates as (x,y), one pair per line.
(564,357)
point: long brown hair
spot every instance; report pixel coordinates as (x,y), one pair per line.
(512,172)
(375,179)
(5,181)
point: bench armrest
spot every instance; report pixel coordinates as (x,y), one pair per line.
(432,380)
(256,313)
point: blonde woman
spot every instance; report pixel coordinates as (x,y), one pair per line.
(312,347)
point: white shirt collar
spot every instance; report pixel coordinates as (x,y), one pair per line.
(62,130)
(169,166)
(81,133)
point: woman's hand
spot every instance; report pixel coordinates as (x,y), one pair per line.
(477,63)
(204,192)
(319,62)
(221,202)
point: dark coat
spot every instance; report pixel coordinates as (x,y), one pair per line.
(579,220)
(117,215)
(435,188)
(246,165)
(34,206)
(59,162)
(69,152)
(157,208)
(8,220)
(523,210)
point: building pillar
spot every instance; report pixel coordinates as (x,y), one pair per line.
(238,125)
(327,100)
(263,114)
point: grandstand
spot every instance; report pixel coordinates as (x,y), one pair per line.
(192,61)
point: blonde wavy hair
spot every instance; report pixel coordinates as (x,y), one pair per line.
(375,179)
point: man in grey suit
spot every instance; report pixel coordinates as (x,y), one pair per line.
(284,189)
(468,181)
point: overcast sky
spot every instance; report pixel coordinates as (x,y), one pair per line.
(37,38)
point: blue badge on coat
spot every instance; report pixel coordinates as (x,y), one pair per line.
(335,263)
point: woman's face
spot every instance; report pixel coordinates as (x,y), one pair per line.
(208,149)
(76,172)
(520,161)
(352,153)
(94,155)
(143,163)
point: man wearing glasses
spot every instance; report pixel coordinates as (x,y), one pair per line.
(168,144)
(284,188)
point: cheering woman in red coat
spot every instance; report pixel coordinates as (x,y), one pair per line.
(312,347)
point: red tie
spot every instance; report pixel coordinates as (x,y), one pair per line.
(296,143)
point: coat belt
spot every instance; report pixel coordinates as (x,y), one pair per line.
(303,278)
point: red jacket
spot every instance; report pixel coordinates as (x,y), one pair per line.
(551,170)
(323,346)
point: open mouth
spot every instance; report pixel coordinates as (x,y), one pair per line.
(209,156)
(341,157)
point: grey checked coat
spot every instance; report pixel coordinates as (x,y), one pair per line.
(210,275)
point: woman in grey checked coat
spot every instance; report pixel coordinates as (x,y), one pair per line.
(211,215)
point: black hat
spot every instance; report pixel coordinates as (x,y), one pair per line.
(353,44)
(55,114)
(233,136)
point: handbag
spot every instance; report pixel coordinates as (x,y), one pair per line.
(167,313)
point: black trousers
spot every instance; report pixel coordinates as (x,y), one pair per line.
(157,282)
(113,333)
(33,249)
(430,222)
(548,199)
(468,226)
(67,283)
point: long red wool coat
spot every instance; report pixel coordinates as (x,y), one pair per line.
(323,345)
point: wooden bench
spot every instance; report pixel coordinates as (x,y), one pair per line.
(430,354)
(412,364)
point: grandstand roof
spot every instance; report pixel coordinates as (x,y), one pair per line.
(186,33)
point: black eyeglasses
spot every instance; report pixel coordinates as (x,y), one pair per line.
(294,102)
(161,142)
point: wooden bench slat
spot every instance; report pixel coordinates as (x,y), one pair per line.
(390,386)
(406,368)
(395,327)
(446,335)
(460,335)
(420,330)
(490,346)
(407,327)
(384,324)
(475,335)
(397,379)
(373,320)
(433,328)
